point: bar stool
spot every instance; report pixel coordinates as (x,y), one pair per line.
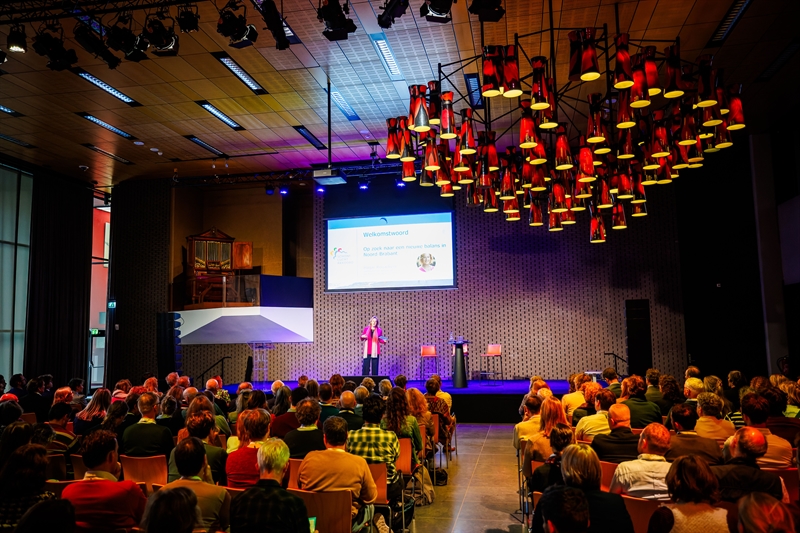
(492,351)
(427,351)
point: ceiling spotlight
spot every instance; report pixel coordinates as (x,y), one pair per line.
(284,190)
(269,190)
(436,10)
(487,10)
(95,45)
(17,40)
(363,185)
(47,45)
(320,189)
(188,18)
(235,26)
(121,38)
(273,21)
(337,25)
(399,183)
(392,9)
(161,37)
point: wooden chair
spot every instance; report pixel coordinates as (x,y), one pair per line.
(57,487)
(493,351)
(790,479)
(294,472)
(534,501)
(222,440)
(607,470)
(640,511)
(378,472)
(234,492)
(56,467)
(637,431)
(30,418)
(438,447)
(332,509)
(157,487)
(427,351)
(733,514)
(147,470)
(78,468)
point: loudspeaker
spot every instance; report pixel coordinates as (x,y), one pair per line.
(169,353)
(638,341)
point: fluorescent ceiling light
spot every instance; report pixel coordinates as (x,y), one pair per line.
(115,157)
(292,36)
(15,141)
(779,61)
(474,90)
(239,72)
(10,111)
(342,104)
(316,143)
(387,57)
(220,115)
(205,145)
(728,22)
(95,25)
(107,126)
(106,87)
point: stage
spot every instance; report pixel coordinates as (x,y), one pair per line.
(480,402)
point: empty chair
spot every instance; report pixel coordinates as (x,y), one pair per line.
(427,352)
(378,471)
(493,353)
(147,470)
(331,508)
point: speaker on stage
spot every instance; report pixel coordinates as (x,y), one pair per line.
(638,341)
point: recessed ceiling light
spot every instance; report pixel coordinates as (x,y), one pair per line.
(239,72)
(220,115)
(15,141)
(387,57)
(154,149)
(343,106)
(106,153)
(106,87)
(205,145)
(106,125)
(10,111)
(138,143)
(316,143)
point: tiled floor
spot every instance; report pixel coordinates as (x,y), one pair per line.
(481,493)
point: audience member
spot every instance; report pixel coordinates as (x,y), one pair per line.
(709,424)
(48,515)
(361,393)
(550,472)
(377,445)
(202,403)
(200,425)
(671,393)
(281,404)
(692,388)
(102,503)
(538,448)
(307,437)
(741,475)
(43,435)
(612,379)
(401,381)
(277,384)
(442,395)
(15,435)
(575,398)
(645,477)
(792,397)
(171,379)
(328,408)
(184,382)
(755,411)
(233,443)
(241,465)
(337,386)
(437,406)
(620,444)
(349,385)
(531,425)
(778,424)
(64,439)
(686,441)
(369,384)
(172,511)
(775,380)
(191,461)
(643,412)
(151,385)
(312,388)
(693,489)
(133,416)
(761,513)
(146,438)
(302,381)
(286,422)
(22,483)
(268,506)
(63,395)
(714,385)
(736,380)
(589,390)
(759,382)
(121,390)
(399,420)
(418,407)
(35,401)
(240,405)
(597,424)
(334,468)
(18,388)
(213,387)
(348,413)
(564,510)
(692,372)
(116,413)
(536,383)
(653,394)
(385,388)
(169,417)
(10,411)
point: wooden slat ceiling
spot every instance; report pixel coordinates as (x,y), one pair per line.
(167,87)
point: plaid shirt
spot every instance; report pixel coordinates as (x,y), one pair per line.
(376,445)
(268,507)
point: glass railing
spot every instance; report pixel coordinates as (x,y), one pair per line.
(211,291)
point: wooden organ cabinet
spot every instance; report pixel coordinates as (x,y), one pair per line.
(213,260)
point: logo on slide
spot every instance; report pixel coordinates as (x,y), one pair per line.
(337,251)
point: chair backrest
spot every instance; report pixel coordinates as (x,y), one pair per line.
(294,472)
(378,471)
(332,509)
(403,463)
(435,418)
(147,470)
(234,492)
(637,431)
(428,350)
(30,418)
(78,468)
(640,511)
(790,479)
(157,487)
(536,464)
(607,474)
(71,427)
(222,440)
(57,487)
(733,514)
(494,349)
(56,467)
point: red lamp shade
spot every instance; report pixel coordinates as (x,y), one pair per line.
(409,173)
(624,183)
(723,137)
(507,191)
(582,190)
(491,150)
(639,196)
(623,76)
(625,148)
(484,174)
(659,142)
(711,116)
(420,120)
(406,141)
(558,197)
(694,155)
(538,154)
(527,127)
(538,181)
(639,91)
(639,210)
(467,141)
(674,88)
(446,190)
(434,102)
(563,154)
(650,177)
(688,133)
(443,173)
(511,85)
(527,176)
(594,126)
(706,81)
(568,216)
(540,93)
(511,206)
(578,204)
(413,94)
(492,71)
(624,112)
(736,114)
(546,121)
(554,221)
(585,159)
(651,70)
(535,217)
(590,69)
(490,201)
(447,118)
(427,178)
(473,196)
(602,194)
(468,174)
(618,220)
(431,154)
(597,228)
(392,144)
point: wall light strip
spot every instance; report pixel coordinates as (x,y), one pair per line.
(106,87)
(387,57)
(15,141)
(10,111)
(728,22)
(107,126)
(220,115)
(205,145)
(316,143)
(115,157)
(239,72)
(342,104)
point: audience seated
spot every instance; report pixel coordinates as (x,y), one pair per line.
(102,503)
(536,383)
(337,386)
(312,387)
(35,401)
(240,405)
(146,438)
(200,425)
(692,388)
(191,462)
(241,465)
(549,473)
(653,393)
(64,440)
(200,402)
(286,422)
(620,444)
(399,420)
(612,379)
(418,407)
(645,477)
(686,441)
(401,381)
(693,489)
(671,393)
(349,385)
(121,390)
(692,372)
(18,383)
(597,424)
(133,416)
(115,415)
(22,483)
(741,475)
(564,510)
(307,437)
(736,416)
(589,390)
(63,395)
(531,425)
(15,435)
(281,404)
(384,388)
(361,393)
(778,424)
(709,424)
(326,403)
(643,412)
(792,397)
(575,398)
(277,384)
(713,384)
(552,413)
(444,396)
(761,513)
(348,413)
(48,515)
(736,380)
(334,468)
(169,417)
(437,406)
(755,411)
(172,511)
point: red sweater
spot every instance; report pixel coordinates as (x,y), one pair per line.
(102,505)
(242,468)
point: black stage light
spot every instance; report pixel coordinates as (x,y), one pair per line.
(95,45)
(122,39)
(162,38)
(188,18)
(436,10)
(487,10)
(235,27)
(337,25)
(392,9)
(17,40)
(274,22)
(48,45)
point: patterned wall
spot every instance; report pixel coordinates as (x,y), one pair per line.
(554,301)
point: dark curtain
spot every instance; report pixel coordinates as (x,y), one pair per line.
(59,284)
